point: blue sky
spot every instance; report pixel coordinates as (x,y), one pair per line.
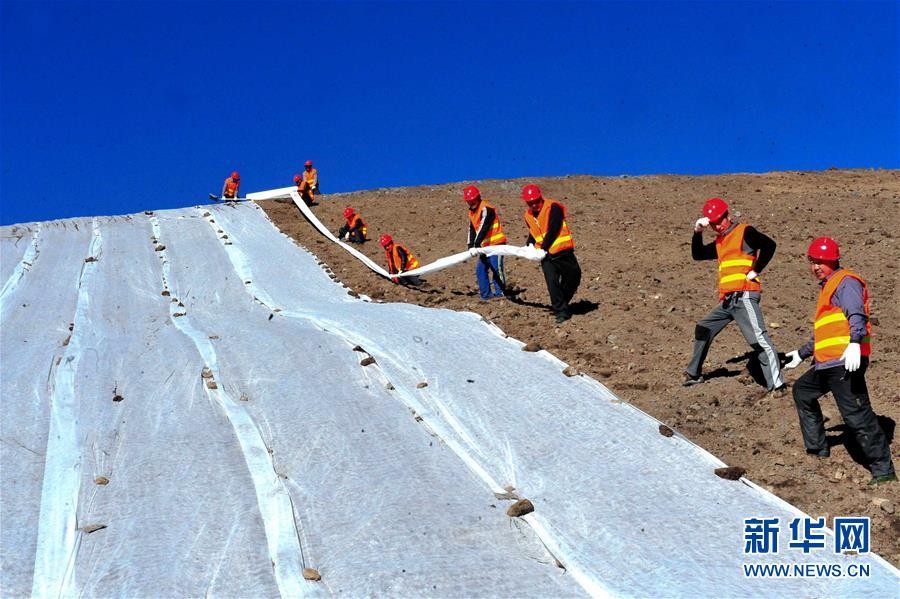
(112,108)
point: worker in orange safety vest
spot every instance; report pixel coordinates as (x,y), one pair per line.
(840,347)
(399,259)
(742,253)
(485,230)
(231,186)
(549,233)
(355,229)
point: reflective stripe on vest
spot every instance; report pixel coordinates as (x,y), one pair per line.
(394,261)
(734,264)
(831,329)
(538,227)
(495,236)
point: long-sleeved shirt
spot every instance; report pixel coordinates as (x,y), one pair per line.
(554,224)
(355,229)
(476,238)
(849,298)
(755,242)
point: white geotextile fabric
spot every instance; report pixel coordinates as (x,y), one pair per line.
(437,265)
(389,486)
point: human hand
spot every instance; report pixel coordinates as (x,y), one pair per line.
(701,224)
(752,275)
(852,357)
(795,359)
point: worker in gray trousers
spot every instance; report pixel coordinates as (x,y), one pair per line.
(742,253)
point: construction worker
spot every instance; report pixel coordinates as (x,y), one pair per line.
(304,189)
(549,233)
(743,253)
(399,259)
(840,347)
(231,186)
(355,230)
(485,230)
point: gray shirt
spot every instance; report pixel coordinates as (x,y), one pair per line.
(849,298)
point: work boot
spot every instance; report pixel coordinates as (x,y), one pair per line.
(883,479)
(779,392)
(562,317)
(692,380)
(820,453)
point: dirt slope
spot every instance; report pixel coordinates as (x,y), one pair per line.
(641,296)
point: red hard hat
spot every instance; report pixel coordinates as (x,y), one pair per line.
(471,193)
(531,192)
(297,178)
(348,212)
(385,240)
(308,163)
(824,248)
(715,208)
(235,175)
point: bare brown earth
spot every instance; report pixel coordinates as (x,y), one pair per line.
(641,296)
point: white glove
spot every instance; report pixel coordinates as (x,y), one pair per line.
(851,357)
(475,251)
(752,275)
(701,224)
(346,236)
(538,255)
(795,359)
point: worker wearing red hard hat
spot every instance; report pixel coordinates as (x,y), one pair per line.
(307,183)
(231,186)
(742,253)
(354,230)
(840,347)
(399,259)
(485,230)
(549,233)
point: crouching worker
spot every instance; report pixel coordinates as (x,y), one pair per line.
(399,259)
(355,230)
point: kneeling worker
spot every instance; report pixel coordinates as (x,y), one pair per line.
(485,230)
(399,259)
(355,230)
(840,347)
(548,231)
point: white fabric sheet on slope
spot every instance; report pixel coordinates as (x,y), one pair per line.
(621,502)
(382,508)
(18,252)
(179,519)
(35,326)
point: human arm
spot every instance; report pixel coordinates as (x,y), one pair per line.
(487,221)
(700,250)
(762,245)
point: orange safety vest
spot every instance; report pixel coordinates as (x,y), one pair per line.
(362,223)
(734,264)
(231,187)
(538,226)
(495,236)
(394,261)
(311,176)
(831,327)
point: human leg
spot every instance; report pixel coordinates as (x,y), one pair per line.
(749,318)
(852,398)
(499,275)
(704,333)
(807,390)
(481,273)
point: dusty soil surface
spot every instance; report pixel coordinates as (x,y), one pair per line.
(641,295)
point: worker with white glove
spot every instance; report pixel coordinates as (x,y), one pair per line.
(355,229)
(840,348)
(485,230)
(742,253)
(549,232)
